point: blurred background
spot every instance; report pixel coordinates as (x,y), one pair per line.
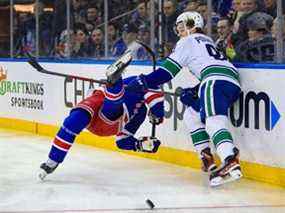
(248,31)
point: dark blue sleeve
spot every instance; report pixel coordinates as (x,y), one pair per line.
(158,77)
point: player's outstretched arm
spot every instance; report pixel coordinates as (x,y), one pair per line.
(151,81)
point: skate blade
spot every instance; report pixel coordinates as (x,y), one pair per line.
(233,176)
(42,174)
(212,168)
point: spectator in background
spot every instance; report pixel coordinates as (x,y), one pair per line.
(240,33)
(128,41)
(271,7)
(93,17)
(168,48)
(224,29)
(76,5)
(119,7)
(96,48)
(140,16)
(144,36)
(192,5)
(129,34)
(170,13)
(59,21)
(23,19)
(203,10)
(79,49)
(45,30)
(79,11)
(259,47)
(61,49)
(84,4)
(113,36)
(274,31)
(222,7)
(235,14)
(28,32)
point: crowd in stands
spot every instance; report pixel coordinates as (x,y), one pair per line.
(244,30)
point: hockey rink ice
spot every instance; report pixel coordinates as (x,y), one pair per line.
(96,180)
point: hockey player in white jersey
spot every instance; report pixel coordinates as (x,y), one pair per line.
(219,88)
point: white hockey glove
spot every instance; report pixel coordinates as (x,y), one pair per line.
(148,144)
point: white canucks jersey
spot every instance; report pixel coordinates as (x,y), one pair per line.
(198,52)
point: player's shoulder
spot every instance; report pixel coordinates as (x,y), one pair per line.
(193,38)
(201,38)
(183,42)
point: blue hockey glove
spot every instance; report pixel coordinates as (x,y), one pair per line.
(190,98)
(127,143)
(137,85)
(153,119)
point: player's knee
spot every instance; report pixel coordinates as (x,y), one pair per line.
(192,119)
(77,120)
(215,123)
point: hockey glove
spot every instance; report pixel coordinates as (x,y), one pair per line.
(137,85)
(190,98)
(153,119)
(148,144)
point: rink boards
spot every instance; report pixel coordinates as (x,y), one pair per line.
(38,103)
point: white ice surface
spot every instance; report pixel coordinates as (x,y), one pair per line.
(95,180)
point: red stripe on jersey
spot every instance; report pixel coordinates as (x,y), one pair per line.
(121,133)
(61,144)
(113,96)
(152,97)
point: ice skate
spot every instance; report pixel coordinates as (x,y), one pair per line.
(208,162)
(46,169)
(115,70)
(230,171)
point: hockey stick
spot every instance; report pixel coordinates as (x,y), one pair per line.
(34,63)
(150,51)
(153,130)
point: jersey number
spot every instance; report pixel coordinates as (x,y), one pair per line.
(215,53)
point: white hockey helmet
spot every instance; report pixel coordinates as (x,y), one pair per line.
(191,17)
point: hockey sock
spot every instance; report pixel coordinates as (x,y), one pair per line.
(77,120)
(200,139)
(216,127)
(113,103)
(196,128)
(223,142)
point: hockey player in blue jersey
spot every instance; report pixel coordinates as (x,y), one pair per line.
(219,88)
(109,111)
